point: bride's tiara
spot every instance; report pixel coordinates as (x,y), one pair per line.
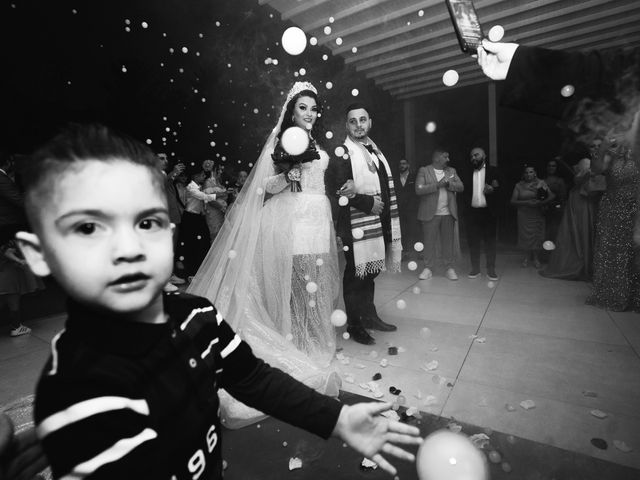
(299,87)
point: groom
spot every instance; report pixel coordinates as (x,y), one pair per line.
(368,225)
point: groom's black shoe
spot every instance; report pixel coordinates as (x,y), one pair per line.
(360,335)
(376,323)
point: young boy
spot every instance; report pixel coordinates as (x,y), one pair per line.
(130,390)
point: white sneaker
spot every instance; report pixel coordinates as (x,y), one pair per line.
(451,274)
(170,287)
(176,280)
(425,275)
(20,330)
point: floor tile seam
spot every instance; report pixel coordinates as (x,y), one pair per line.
(543,336)
(636,351)
(544,397)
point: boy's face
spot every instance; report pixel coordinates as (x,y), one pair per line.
(105,236)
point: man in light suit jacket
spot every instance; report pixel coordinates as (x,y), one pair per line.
(436,186)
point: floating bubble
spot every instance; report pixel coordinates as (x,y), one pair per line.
(259,191)
(567,91)
(338,318)
(430,127)
(496,33)
(329,134)
(355,92)
(401,304)
(357,233)
(303,71)
(343,201)
(312,287)
(232,254)
(412,266)
(450,78)
(345,248)
(275,61)
(127,21)
(171,50)
(294,140)
(144,25)
(416,290)
(548,245)
(421,13)
(346,335)
(418,246)
(329,85)
(148,141)
(331,19)
(491,284)
(338,41)
(327,30)
(312,303)
(313,41)
(446,455)
(213,144)
(294,41)
(185,50)
(339,151)
(289,337)
(319,262)
(256,111)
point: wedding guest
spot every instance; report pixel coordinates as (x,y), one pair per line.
(405,185)
(530,195)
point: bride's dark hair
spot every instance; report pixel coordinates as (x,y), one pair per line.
(317,131)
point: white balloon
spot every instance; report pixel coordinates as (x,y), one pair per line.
(294,41)
(294,140)
(343,201)
(357,233)
(445,455)
(450,78)
(430,127)
(418,246)
(496,33)
(412,265)
(312,287)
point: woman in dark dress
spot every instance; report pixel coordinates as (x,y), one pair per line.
(616,281)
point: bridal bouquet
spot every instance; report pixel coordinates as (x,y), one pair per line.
(290,164)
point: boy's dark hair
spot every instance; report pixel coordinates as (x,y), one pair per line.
(78,143)
(356,106)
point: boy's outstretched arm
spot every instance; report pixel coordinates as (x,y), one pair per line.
(363,428)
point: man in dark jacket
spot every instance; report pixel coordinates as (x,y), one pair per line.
(12,216)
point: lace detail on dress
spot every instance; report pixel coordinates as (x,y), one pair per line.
(312,174)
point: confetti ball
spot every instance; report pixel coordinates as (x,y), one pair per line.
(548,245)
(355,92)
(567,90)
(418,246)
(430,127)
(294,41)
(496,33)
(294,140)
(346,335)
(401,304)
(412,266)
(357,233)
(416,290)
(338,318)
(450,78)
(343,201)
(232,254)
(446,455)
(329,134)
(313,41)
(339,151)
(329,85)
(338,41)
(425,332)
(327,30)
(312,287)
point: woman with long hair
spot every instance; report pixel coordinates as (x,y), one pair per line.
(272,271)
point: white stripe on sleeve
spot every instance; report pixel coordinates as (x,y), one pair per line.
(113,453)
(231,346)
(193,313)
(87,408)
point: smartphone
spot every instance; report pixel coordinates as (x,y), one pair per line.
(466,24)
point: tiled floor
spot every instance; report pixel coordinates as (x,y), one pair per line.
(523,337)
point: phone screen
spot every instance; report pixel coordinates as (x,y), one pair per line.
(466,24)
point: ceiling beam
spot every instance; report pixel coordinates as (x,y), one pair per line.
(301,8)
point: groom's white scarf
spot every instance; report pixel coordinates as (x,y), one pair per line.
(369,250)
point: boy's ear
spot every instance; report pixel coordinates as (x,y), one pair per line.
(31,248)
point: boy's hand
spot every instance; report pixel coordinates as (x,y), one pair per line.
(21,456)
(495,58)
(371,434)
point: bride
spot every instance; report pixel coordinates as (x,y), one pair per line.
(272,271)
